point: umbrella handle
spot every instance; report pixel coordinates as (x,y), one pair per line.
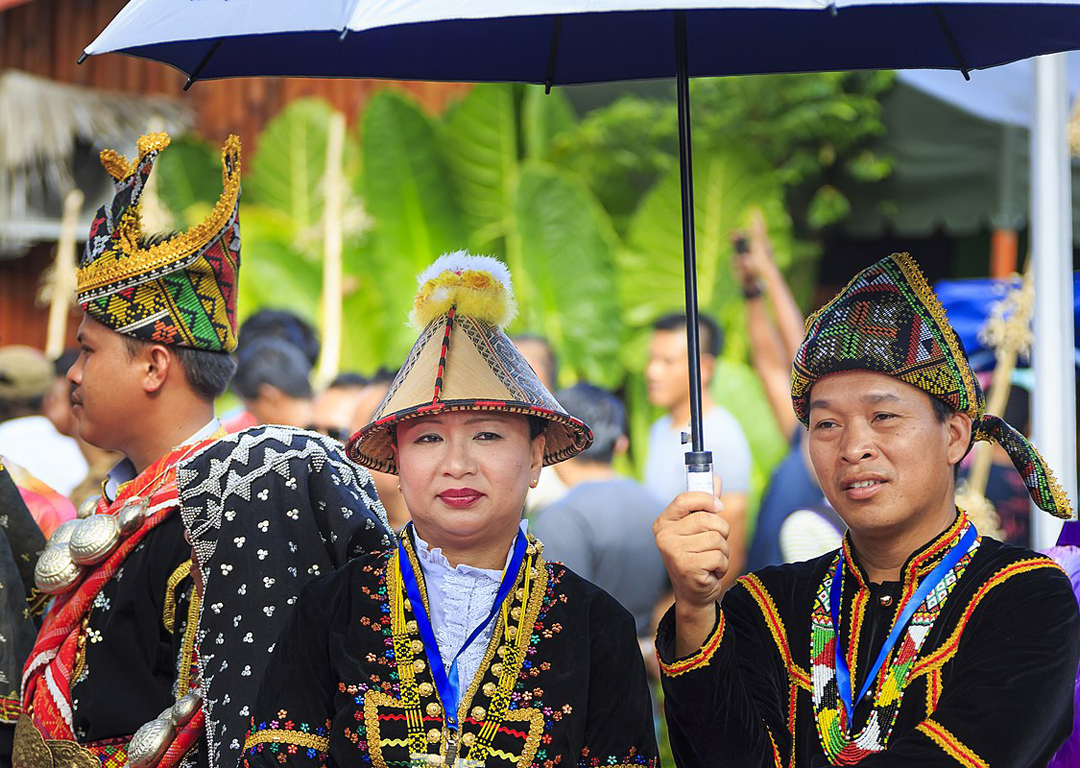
(699,471)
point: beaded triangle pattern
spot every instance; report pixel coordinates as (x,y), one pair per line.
(834,730)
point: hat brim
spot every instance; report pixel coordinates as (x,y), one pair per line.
(372,446)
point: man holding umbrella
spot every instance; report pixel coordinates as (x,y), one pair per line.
(918,642)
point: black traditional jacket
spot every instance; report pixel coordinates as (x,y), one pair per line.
(562,683)
(991,686)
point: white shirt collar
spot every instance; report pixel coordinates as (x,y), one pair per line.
(433,559)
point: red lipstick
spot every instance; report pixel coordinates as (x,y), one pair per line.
(460,497)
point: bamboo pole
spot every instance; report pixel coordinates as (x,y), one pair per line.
(63,277)
(333,190)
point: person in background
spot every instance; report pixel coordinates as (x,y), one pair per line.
(541,357)
(336,406)
(56,406)
(667,375)
(273,378)
(27,438)
(602,528)
(275,324)
(794,521)
(387,484)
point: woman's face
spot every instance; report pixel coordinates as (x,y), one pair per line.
(464,476)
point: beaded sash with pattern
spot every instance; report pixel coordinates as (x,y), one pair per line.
(834,730)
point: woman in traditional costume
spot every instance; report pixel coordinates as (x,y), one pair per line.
(461,646)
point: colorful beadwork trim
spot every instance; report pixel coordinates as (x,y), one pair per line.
(834,729)
(951,745)
(699,659)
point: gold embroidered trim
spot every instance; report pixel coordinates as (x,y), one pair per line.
(168,612)
(187,648)
(951,745)
(129,260)
(699,659)
(306,740)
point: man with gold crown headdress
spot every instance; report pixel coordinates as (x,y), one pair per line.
(918,642)
(160,321)
(127,668)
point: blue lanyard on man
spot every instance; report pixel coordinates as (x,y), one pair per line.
(447,684)
(843,674)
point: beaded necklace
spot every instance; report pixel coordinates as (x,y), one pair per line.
(833,724)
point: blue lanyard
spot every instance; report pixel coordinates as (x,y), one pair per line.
(448,685)
(843,675)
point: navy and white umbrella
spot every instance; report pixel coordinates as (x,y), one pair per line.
(564,42)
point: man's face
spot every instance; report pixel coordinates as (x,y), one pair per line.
(538,355)
(668,369)
(883,459)
(106,387)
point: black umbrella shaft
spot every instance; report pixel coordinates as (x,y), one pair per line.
(693,342)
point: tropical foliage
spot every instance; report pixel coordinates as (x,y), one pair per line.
(586,212)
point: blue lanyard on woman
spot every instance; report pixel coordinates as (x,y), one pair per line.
(843,674)
(447,684)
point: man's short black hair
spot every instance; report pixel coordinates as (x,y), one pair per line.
(603,412)
(207,373)
(383,376)
(280,324)
(276,362)
(709,332)
(348,380)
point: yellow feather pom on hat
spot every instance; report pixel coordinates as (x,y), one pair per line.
(478,286)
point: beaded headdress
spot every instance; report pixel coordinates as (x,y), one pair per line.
(463,361)
(888,320)
(180,291)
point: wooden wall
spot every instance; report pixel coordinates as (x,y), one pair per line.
(46,37)
(23,320)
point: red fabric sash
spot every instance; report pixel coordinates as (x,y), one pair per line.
(47,675)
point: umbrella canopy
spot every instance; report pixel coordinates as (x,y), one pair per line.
(563,42)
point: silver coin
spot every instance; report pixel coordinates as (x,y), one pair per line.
(150,743)
(55,572)
(63,533)
(131,516)
(185,708)
(95,539)
(88,507)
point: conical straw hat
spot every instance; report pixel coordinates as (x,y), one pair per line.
(463,361)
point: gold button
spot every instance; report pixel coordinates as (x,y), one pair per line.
(411,626)
(516,612)
(520,594)
(434,735)
(496,669)
(478,713)
(426,689)
(433,709)
(489,689)
(503,650)
(416,646)
(468,739)
(512,631)
(885,600)
(418,665)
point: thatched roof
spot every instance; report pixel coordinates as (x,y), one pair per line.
(50,135)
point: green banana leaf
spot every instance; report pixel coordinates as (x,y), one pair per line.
(288,167)
(272,272)
(481,141)
(726,188)
(410,199)
(188,179)
(567,249)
